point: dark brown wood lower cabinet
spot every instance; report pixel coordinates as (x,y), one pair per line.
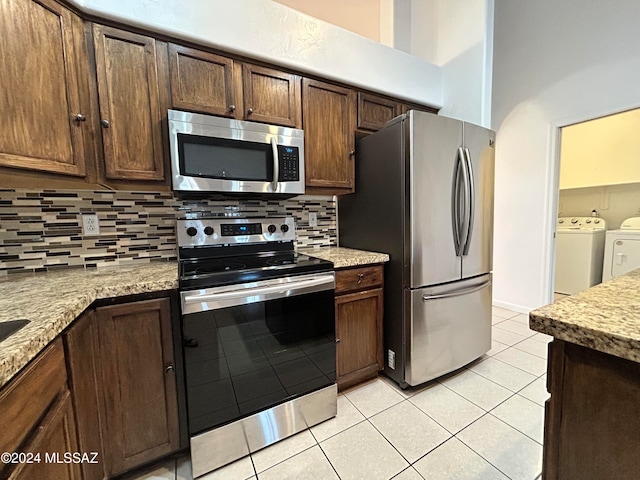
(55,438)
(359,315)
(82,359)
(36,417)
(137,384)
(592,425)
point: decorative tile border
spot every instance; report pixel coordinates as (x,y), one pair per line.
(42,229)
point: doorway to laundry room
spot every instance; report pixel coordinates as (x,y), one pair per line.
(599,190)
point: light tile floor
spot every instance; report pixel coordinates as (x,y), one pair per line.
(483,422)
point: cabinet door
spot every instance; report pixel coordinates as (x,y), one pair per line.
(203,82)
(374,112)
(56,435)
(42,103)
(359,330)
(130,106)
(82,359)
(271,96)
(138,386)
(329,114)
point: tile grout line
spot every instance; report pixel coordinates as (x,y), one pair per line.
(478,453)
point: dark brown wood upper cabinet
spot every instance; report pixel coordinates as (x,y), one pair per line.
(138,384)
(374,112)
(43,103)
(203,82)
(130,106)
(329,119)
(271,96)
(405,107)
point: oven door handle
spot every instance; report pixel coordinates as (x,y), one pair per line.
(212,301)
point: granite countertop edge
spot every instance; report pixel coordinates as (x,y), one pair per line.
(605,317)
(343,257)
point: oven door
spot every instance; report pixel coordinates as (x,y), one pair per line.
(252,346)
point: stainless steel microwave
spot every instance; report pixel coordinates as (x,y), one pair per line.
(212,154)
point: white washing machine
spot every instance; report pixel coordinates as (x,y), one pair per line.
(579,252)
(622,249)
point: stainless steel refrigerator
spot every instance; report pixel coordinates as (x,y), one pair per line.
(424,195)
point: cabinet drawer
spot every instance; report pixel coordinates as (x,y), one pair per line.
(353,279)
(24,400)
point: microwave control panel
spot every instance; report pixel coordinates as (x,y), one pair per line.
(289,161)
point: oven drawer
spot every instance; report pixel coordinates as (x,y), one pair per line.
(360,278)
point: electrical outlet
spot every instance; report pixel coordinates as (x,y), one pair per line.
(313,219)
(90,225)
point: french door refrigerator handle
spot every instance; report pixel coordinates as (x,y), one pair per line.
(471,203)
(457,293)
(455,202)
(276,164)
(464,224)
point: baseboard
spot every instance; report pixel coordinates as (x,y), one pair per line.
(511,306)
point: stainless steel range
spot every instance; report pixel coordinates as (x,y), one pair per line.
(258,335)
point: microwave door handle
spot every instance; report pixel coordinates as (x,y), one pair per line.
(276,164)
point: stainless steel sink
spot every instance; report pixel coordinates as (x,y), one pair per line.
(9,328)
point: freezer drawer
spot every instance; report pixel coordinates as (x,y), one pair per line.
(449,327)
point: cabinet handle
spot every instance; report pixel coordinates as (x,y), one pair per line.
(352,153)
(169,368)
(360,277)
(250,111)
(232,108)
(337,340)
(79,118)
(104,123)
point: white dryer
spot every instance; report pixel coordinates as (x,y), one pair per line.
(622,249)
(579,251)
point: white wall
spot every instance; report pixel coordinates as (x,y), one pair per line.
(359,16)
(614,203)
(268,31)
(604,151)
(465,46)
(555,64)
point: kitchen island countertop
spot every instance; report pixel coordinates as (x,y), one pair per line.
(605,317)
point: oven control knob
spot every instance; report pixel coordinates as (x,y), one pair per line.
(208,230)
(192,231)
(284,227)
(271,228)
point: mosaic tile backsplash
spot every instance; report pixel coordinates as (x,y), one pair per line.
(42,230)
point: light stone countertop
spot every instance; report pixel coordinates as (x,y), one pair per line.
(52,300)
(345,257)
(605,317)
